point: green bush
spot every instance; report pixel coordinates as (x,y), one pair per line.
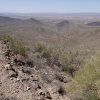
(86,82)
(44,51)
(39,47)
(6,37)
(48,53)
(70,61)
(90,93)
(17,46)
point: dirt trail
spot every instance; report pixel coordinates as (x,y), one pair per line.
(25,83)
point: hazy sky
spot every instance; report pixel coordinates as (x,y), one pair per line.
(42,6)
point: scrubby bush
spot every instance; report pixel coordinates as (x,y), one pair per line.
(5,37)
(90,93)
(86,81)
(39,47)
(44,51)
(70,61)
(17,46)
(30,63)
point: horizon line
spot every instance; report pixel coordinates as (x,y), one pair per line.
(50,12)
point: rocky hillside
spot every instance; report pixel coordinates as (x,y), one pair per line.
(21,79)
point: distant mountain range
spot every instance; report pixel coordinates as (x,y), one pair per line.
(48,14)
(94,24)
(56,32)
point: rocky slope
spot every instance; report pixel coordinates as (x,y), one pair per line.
(23,81)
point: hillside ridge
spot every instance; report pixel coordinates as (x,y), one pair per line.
(19,81)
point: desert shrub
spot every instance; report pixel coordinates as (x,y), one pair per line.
(55,58)
(5,37)
(17,46)
(30,63)
(39,47)
(89,73)
(86,81)
(45,51)
(86,74)
(50,54)
(90,93)
(70,61)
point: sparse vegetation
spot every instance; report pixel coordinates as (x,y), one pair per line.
(45,52)
(30,63)
(86,79)
(90,93)
(68,61)
(17,46)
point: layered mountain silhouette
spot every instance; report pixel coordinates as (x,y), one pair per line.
(63,23)
(94,24)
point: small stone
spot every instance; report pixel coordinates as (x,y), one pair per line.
(28,88)
(7,67)
(18,79)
